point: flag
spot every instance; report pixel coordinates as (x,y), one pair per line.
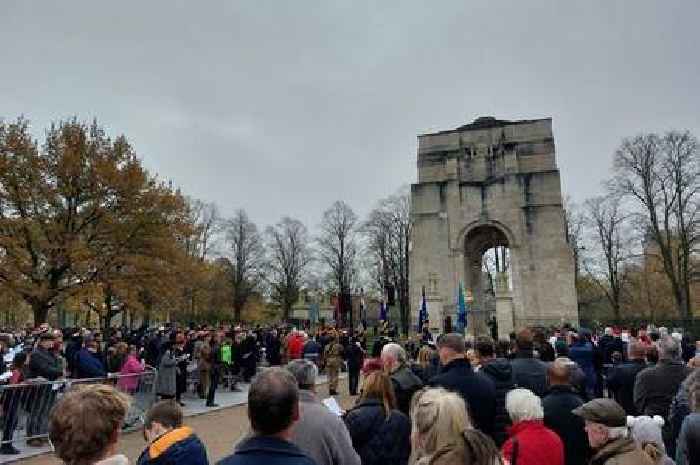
(461,310)
(423,313)
(382,311)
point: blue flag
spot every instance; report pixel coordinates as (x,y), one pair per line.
(382,311)
(461,310)
(423,313)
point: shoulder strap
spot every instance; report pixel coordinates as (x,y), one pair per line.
(514,452)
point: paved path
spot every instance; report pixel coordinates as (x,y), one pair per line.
(218,428)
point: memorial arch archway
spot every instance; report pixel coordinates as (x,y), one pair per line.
(488,272)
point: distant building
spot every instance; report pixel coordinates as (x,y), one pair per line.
(316,305)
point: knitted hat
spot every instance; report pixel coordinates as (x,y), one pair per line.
(647,429)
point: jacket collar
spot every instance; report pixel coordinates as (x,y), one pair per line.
(668,362)
(524,354)
(270,445)
(523,425)
(613,448)
(562,389)
(368,403)
(457,363)
(160,445)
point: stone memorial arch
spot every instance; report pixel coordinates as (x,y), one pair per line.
(487,212)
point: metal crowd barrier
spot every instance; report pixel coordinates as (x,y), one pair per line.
(26,406)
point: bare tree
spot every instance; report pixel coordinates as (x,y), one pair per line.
(661,174)
(574,221)
(245,245)
(206,222)
(288,260)
(198,244)
(338,251)
(607,222)
(388,231)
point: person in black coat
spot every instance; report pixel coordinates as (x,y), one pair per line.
(544,348)
(621,378)
(428,364)
(43,363)
(182,357)
(249,356)
(381,434)
(558,405)
(500,372)
(405,382)
(477,390)
(529,372)
(355,357)
(273,347)
(609,344)
(72,348)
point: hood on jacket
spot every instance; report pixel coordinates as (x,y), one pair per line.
(268,445)
(169,439)
(499,369)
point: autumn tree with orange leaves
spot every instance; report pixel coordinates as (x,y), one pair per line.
(80,215)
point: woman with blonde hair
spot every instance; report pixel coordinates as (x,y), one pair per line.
(442,433)
(380,433)
(427,364)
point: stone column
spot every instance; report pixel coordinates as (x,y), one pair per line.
(504,306)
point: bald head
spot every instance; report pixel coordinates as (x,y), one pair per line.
(636,351)
(559,371)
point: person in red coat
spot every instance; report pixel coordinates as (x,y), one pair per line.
(295,345)
(530,442)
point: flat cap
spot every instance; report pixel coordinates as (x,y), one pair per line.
(604,411)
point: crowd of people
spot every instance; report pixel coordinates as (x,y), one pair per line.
(200,360)
(564,397)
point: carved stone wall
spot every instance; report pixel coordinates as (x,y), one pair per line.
(492,183)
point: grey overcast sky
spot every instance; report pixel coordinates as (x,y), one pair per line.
(282,107)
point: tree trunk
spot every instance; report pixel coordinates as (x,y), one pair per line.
(237,310)
(40,309)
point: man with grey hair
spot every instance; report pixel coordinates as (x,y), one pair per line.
(608,436)
(320,434)
(405,382)
(621,377)
(477,389)
(655,387)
